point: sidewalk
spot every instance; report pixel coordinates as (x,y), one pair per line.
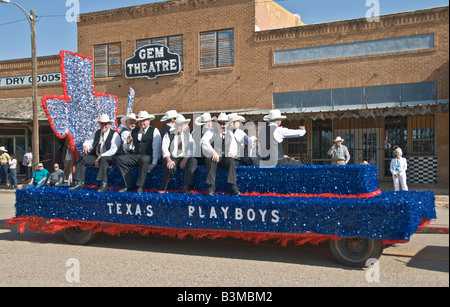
(437,188)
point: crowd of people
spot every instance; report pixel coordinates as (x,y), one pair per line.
(215,142)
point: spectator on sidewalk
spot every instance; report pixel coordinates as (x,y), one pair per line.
(13,172)
(4,159)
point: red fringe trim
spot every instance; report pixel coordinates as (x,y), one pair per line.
(52,226)
(325,195)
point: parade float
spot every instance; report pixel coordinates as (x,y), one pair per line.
(289,205)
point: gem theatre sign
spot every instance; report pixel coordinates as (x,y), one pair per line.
(152,61)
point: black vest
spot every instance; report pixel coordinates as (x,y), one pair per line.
(271,145)
(145,146)
(97,136)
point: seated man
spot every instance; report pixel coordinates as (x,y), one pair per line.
(39,177)
(144,149)
(271,141)
(246,145)
(56,177)
(128,123)
(220,150)
(99,150)
(177,150)
(202,124)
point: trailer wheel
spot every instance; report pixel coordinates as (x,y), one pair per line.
(77,236)
(355,251)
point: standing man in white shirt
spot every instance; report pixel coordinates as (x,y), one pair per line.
(99,150)
(220,149)
(13,171)
(144,149)
(271,141)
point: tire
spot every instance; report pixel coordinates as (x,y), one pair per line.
(355,252)
(77,236)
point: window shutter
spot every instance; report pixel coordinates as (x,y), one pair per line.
(226,48)
(176,46)
(100,60)
(142,43)
(208,50)
(115,60)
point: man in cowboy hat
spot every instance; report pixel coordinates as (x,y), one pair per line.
(339,153)
(178,151)
(128,123)
(99,150)
(245,143)
(144,148)
(202,124)
(169,120)
(271,140)
(222,154)
(4,159)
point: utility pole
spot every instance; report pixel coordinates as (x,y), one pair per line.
(32,21)
(35,92)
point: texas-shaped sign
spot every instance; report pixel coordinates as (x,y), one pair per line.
(75,114)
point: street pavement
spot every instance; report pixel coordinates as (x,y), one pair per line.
(47,260)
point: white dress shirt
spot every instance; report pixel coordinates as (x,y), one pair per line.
(188,149)
(282,133)
(244,140)
(115,143)
(207,138)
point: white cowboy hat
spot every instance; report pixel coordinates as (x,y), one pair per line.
(127,117)
(3,149)
(143,115)
(104,118)
(172,114)
(222,118)
(234,117)
(274,115)
(182,120)
(203,119)
(338,139)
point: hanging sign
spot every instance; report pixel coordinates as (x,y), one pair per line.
(152,61)
(28,80)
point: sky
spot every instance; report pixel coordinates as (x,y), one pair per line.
(56,32)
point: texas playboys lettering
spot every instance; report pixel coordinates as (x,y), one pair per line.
(130,209)
(237,213)
(223,212)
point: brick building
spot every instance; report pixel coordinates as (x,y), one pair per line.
(376,84)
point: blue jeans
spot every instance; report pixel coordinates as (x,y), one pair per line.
(13,182)
(35,185)
(4,174)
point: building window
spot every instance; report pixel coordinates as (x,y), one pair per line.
(422,134)
(108,60)
(217,49)
(174,43)
(382,46)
